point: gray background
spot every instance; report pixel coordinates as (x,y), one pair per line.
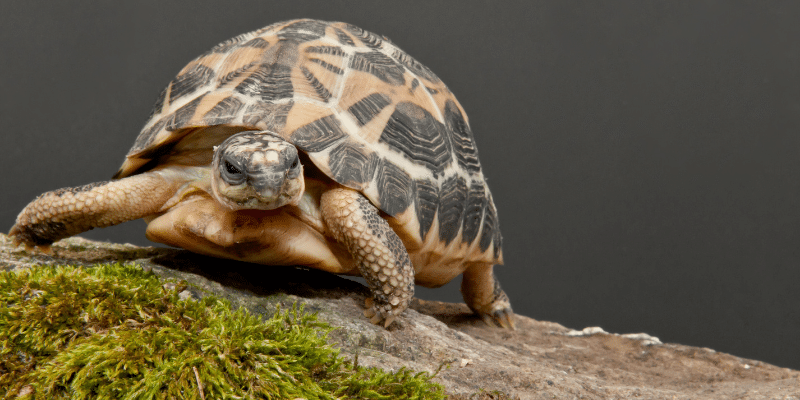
(643,155)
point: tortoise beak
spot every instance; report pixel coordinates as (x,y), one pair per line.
(267,186)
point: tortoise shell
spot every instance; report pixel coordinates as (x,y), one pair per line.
(368,115)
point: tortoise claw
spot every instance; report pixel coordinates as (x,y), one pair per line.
(44,248)
(14,235)
(375,316)
(503,318)
(369,312)
(19,238)
(377,319)
(16,242)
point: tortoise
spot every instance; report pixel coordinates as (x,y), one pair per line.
(305,143)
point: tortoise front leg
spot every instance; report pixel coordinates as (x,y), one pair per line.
(62,213)
(380,254)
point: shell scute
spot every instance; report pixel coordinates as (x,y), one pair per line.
(352,164)
(415,66)
(427,203)
(414,132)
(318,135)
(269,83)
(367,108)
(326,49)
(366,38)
(329,66)
(463,141)
(193,79)
(181,117)
(473,213)
(234,76)
(258,43)
(380,66)
(317,86)
(147,137)
(394,188)
(489,225)
(227,45)
(303,30)
(158,107)
(223,111)
(343,38)
(266,115)
(452,201)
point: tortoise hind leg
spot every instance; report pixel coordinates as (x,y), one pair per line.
(483,295)
(62,213)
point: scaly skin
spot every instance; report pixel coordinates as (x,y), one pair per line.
(62,213)
(483,295)
(381,257)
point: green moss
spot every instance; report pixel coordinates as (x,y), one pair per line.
(116,332)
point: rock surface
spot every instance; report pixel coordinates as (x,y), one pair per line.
(540,360)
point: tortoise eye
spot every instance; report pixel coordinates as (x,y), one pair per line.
(231,174)
(231,169)
(295,163)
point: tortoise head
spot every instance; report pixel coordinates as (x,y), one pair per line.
(256,170)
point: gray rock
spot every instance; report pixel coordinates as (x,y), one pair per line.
(540,360)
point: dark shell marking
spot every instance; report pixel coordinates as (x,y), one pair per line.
(188,82)
(380,65)
(366,38)
(223,110)
(476,201)
(415,66)
(464,143)
(352,165)
(303,31)
(321,90)
(415,133)
(184,114)
(367,114)
(427,203)
(269,83)
(394,188)
(452,201)
(343,38)
(329,67)
(367,108)
(318,135)
(258,43)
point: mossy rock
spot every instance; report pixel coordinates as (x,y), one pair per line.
(116,331)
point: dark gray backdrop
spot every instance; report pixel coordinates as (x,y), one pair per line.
(643,155)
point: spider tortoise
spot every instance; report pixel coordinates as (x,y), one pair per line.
(305,143)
